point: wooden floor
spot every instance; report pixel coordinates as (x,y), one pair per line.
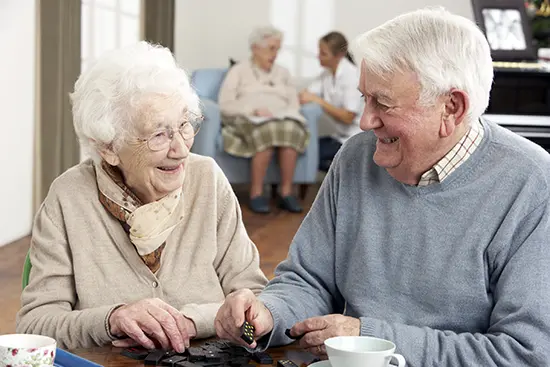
(272,233)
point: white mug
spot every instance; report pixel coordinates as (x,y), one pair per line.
(362,351)
(27,350)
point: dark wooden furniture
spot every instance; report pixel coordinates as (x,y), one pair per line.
(520,91)
(111,357)
(520,100)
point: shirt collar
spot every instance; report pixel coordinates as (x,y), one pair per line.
(456,156)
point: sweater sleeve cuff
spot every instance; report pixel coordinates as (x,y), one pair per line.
(277,336)
(98,319)
(371,327)
(203,317)
(108,326)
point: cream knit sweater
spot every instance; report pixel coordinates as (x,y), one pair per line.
(84,264)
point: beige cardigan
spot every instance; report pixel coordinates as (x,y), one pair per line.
(84,264)
(247,88)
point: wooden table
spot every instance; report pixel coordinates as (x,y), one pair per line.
(111,357)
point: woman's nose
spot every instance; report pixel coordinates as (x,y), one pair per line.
(178,147)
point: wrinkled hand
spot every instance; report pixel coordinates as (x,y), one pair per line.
(307,97)
(148,320)
(263,112)
(239,306)
(316,330)
(128,342)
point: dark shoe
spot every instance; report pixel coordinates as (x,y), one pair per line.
(290,203)
(259,204)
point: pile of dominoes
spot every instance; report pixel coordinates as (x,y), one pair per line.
(214,353)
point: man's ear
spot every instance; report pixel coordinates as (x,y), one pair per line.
(455,108)
(108,154)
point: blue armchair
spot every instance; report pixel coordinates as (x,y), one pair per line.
(208,142)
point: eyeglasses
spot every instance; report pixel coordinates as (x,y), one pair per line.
(162,139)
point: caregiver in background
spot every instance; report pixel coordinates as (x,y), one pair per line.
(335,90)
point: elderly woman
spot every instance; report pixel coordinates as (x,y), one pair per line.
(260,112)
(140,244)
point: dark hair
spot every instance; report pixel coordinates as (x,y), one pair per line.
(337,43)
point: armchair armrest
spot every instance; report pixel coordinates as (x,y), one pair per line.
(312,112)
(206,139)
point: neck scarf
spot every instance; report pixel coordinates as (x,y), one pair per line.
(148,225)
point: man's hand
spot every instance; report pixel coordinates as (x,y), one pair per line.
(241,306)
(307,97)
(316,330)
(263,112)
(148,320)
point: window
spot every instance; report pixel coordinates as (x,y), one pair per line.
(303,23)
(108,24)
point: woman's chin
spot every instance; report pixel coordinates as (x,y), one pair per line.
(268,65)
(170,182)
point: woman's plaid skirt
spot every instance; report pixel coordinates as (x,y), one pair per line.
(243,138)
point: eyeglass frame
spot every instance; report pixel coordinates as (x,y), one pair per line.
(171,132)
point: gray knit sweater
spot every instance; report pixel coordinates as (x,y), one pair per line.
(455,273)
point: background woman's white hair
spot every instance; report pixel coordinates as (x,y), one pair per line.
(108,96)
(445,51)
(259,34)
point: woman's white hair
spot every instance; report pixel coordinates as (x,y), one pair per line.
(444,50)
(260,34)
(109,95)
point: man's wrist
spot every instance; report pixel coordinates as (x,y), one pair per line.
(270,318)
(357,326)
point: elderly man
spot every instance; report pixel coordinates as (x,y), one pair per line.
(430,229)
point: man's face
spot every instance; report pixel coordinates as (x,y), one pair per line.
(408,133)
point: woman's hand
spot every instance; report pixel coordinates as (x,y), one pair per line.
(263,112)
(149,320)
(307,97)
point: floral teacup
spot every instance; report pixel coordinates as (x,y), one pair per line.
(26,350)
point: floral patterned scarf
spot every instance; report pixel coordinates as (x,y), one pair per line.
(147,225)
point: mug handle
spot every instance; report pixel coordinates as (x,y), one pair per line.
(399,358)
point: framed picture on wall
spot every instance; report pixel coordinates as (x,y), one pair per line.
(507,28)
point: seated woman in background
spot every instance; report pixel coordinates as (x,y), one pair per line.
(335,90)
(260,112)
(141,244)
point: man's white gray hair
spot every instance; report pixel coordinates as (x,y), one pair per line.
(444,50)
(260,34)
(110,94)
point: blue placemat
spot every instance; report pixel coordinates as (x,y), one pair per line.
(66,359)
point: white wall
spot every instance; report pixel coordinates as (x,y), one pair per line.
(17,111)
(208,32)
